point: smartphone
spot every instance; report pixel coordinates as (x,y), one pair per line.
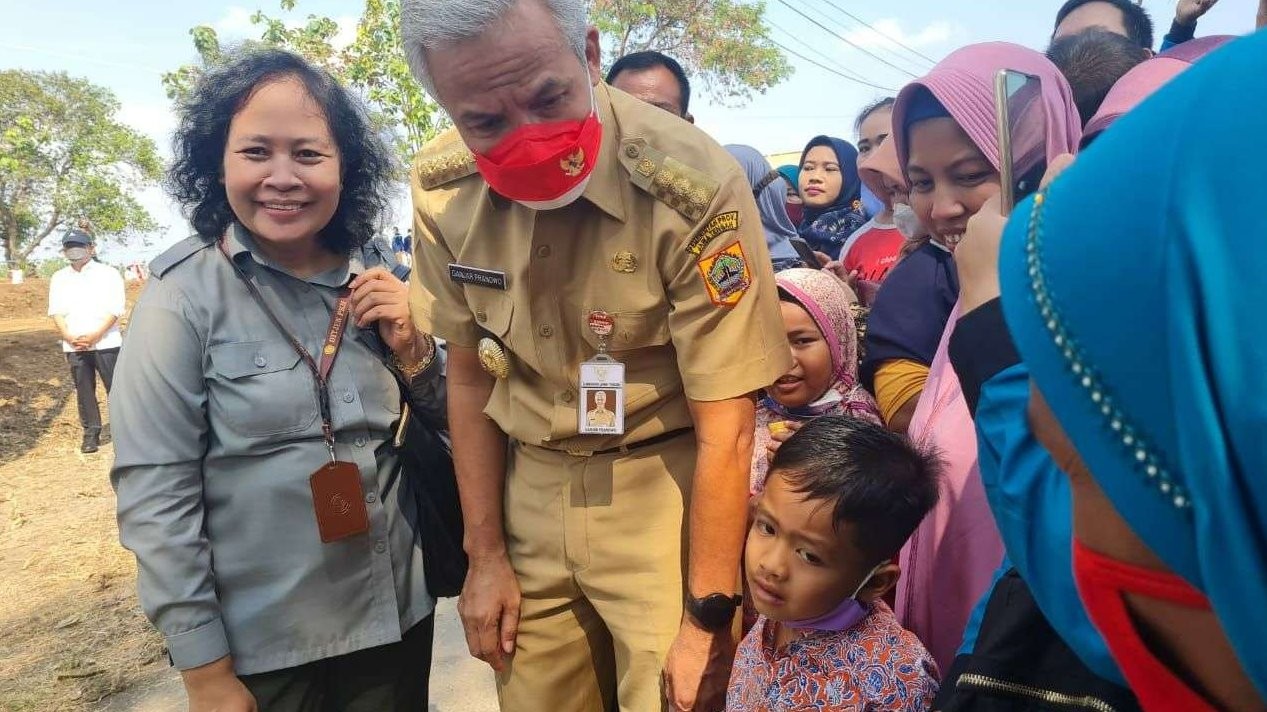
(1021,122)
(804,252)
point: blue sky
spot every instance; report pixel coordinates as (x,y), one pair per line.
(127,44)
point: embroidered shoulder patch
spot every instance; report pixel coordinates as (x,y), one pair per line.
(726,275)
(718,226)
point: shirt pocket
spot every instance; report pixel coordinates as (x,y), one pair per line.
(259,388)
(493,312)
(631,330)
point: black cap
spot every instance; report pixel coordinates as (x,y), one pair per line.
(75,236)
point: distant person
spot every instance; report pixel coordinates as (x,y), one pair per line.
(769,188)
(1122,17)
(86,301)
(1093,61)
(842,496)
(832,191)
(655,78)
(873,249)
(256,405)
(794,204)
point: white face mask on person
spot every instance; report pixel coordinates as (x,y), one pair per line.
(907,221)
(77,255)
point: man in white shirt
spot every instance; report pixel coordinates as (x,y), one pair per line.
(86,301)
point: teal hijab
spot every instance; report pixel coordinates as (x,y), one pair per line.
(1135,294)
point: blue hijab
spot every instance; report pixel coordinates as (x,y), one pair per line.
(770,201)
(826,229)
(1156,365)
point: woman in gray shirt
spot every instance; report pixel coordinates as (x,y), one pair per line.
(254,404)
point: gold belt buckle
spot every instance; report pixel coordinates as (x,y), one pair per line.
(580,453)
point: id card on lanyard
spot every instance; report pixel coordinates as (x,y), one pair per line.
(338,500)
(602,385)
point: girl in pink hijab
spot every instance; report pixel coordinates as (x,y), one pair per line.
(818,315)
(947,145)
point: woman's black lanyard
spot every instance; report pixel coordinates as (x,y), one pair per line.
(334,338)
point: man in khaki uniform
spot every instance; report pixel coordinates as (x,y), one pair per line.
(584,548)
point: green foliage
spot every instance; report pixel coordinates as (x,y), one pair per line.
(724,42)
(373,65)
(64,157)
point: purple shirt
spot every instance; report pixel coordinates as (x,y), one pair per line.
(876,666)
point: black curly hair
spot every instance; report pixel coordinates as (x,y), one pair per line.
(193,180)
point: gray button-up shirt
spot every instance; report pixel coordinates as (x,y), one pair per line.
(216,430)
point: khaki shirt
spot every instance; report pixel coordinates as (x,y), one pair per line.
(665,238)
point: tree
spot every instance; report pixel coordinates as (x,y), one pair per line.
(373,65)
(64,157)
(724,42)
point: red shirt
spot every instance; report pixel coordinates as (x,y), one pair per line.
(875,252)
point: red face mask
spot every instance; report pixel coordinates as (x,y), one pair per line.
(796,211)
(544,166)
(1103,584)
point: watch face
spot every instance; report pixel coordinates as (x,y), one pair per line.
(715,611)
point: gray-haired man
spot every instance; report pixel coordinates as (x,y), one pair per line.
(563,220)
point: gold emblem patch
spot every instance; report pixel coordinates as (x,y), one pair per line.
(574,164)
(726,275)
(718,226)
(493,359)
(625,262)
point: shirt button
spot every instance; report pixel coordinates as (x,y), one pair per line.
(260,361)
(360,441)
(546,330)
(371,498)
(633,151)
(567,397)
(481,316)
(348,397)
(543,251)
(381,546)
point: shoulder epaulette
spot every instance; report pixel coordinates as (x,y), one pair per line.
(176,254)
(683,188)
(444,160)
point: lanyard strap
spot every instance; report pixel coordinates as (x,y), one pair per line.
(329,350)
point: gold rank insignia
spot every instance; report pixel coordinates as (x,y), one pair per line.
(574,164)
(625,262)
(680,186)
(726,275)
(446,166)
(493,359)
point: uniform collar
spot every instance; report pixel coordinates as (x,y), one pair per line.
(241,246)
(605,189)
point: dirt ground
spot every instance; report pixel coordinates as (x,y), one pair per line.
(71,633)
(72,636)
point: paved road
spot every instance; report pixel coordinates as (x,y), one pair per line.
(459,683)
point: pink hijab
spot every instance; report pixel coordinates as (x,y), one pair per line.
(829,303)
(950,560)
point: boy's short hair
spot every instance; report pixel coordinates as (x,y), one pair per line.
(875,479)
(1092,61)
(650,59)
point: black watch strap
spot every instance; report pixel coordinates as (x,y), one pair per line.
(714,612)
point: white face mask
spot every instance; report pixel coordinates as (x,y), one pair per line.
(907,221)
(77,254)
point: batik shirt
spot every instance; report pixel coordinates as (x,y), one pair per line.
(875,666)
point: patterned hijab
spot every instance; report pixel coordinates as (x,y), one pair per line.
(829,302)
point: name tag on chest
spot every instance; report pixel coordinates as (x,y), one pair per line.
(477,277)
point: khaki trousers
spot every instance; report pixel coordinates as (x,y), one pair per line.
(598,544)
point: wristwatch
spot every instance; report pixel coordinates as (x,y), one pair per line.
(714,612)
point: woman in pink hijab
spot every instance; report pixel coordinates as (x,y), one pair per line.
(947,146)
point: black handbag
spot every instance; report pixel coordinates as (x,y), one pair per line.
(429,501)
(428,486)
